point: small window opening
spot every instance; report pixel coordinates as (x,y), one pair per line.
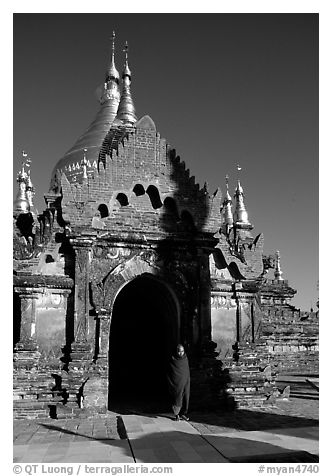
(103,210)
(138,190)
(153,193)
(122,199)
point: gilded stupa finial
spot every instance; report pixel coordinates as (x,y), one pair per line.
(227,206)
(238,168)
(240,212)
(111,90)
(126,70)
(22,174)
(126,111)
(84,164)
(278,273)
(21,203)
(228,197)
(113,44)
(112,72)
(30,189)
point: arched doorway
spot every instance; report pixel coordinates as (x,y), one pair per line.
(144,330)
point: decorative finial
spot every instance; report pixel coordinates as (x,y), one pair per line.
(125,50)
(126,70)
(228,197)
(24,159)
(21,204)
(126,110)
(113,43)
(113,50)
(112,73)
(238,177)
(227,209)
(22,174)
(240,213)
(278,273)
(110,93)
(30,189)
(84,163)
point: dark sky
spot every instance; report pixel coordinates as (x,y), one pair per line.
(222,89)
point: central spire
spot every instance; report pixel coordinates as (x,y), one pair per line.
(111,114)
(91,141)
(126,111)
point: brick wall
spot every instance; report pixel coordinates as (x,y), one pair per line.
(144,159)
(291,336)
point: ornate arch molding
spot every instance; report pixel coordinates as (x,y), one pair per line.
(105,291)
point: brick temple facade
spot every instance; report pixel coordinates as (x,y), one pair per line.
(130,257)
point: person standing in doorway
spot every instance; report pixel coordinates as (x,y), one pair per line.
(178,378)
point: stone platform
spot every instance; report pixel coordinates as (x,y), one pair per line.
(285,433)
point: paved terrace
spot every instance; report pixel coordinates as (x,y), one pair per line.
(286,433)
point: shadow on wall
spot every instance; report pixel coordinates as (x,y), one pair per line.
(155,312)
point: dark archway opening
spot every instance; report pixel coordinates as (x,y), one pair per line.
(143,333)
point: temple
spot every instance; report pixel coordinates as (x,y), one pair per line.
(132,256)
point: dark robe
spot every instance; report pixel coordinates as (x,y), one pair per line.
(178,378)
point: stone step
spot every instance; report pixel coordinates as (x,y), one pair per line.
(304,395)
